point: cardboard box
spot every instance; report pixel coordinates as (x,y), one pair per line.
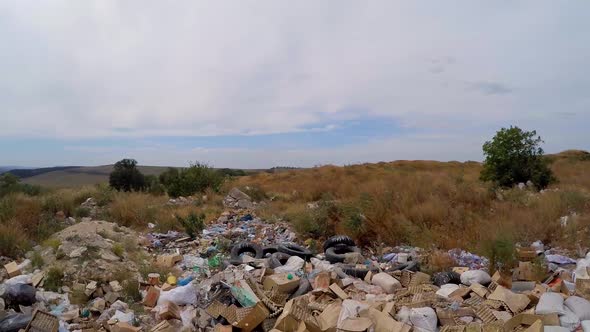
(283,282)
(502,279)
(125,327)
(385,323)
(328,319)
(583,288)
(169,310)
(12,269)
(525,271)
(43,322)
(250,318)
(151,298)
(526,254)
(531,323)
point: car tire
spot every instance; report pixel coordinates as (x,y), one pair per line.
(338,253)
(338,240)
(295,250)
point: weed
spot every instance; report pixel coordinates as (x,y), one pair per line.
(131,291)
(53,279)
(12,241)
(81,212)
(37,260)
(52,243)
(118,250)
(193,223)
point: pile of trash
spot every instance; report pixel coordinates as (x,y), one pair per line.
(244,274)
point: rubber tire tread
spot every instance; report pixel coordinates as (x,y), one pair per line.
(338,253)
(275,259)
(294,249)
(243,247)
(338,240)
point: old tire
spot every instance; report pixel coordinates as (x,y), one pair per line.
(245,247)
(338,240)
(269,250)
(338,253)
(304,288)
(278,259)
(357,272)
(295,250)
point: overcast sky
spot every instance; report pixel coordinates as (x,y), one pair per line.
(265,83)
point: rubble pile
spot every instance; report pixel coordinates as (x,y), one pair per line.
(244,274)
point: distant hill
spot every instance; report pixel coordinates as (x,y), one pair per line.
(27,173)
(75,176)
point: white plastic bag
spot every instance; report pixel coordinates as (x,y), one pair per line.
(550,303)
(387,282)
(477,276)
(126,317)
(424,319)
(579,306)
(586,325)
(569,320)
(294,264)
(446,290)
(182,295)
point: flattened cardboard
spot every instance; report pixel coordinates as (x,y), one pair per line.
(460,269)
(322,281)
(516,302)
(253,318)
(328,319)
(525,271)
(151,298)
(532,323)
(360,324)
(479,289)
(338,291)
(384,322)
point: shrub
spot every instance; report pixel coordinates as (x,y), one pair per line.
(53,279)
(193,224)
(126,176)
(37,260)
(514,156)
(82,212)
(10,184)
(195,179)
(52,243)
(153,185)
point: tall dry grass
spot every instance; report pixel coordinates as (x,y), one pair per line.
(428,203)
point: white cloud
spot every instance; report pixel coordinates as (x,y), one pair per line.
(91,69)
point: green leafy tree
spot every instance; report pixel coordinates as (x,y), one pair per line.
(126,176)
(195,179)
(513,156)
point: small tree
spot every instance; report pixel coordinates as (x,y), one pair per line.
(195,179)
(126,176)
(515,156)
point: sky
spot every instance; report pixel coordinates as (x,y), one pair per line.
(254,84)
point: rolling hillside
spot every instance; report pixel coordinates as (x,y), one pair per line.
(81,176)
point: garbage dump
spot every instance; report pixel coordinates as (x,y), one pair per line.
(242,274)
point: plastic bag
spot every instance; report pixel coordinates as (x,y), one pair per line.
(350,309)
(126,317)
(569,320)
(446,290)
(586,325)
(388,283)
(477,276)
(182,295)
(21,279)
(442,278)
(423,319)
(14,322)
(294,264)
(579,306)
(20,294)
(550,303)
(559,259)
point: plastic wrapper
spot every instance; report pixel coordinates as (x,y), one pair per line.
(182,295)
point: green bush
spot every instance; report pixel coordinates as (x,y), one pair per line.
(126,176)
(195,179)
(10,183)
(514,156)
(193,224)
(53,279)
(82,212)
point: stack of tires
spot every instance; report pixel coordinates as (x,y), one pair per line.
(337,247)
(277,255)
